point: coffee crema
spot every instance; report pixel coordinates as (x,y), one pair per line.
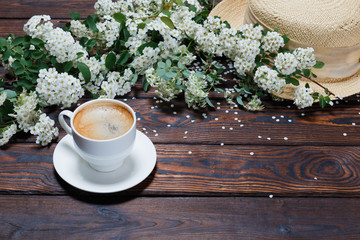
(103,120)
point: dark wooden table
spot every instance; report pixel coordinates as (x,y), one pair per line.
(282,173)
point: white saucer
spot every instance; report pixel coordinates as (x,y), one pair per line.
(78,173)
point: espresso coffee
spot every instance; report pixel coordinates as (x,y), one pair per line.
(103,120)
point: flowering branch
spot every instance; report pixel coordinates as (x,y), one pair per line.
(169,45)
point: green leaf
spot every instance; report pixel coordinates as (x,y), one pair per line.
(3,42)
(145,83)
(85,71)
(68,66)
(167,13)
(119,17)
(322,101)
(17,64)
(17,41)
(306,72)
(161,65)
(168,22)
(319,64)
(168,63)
(124,57)
(135,78)
(326,91)
(75,16)
(90,43)
(10,93)
(36,42)
(141,25)
(79,54)
(110,60)
(37,54)
(209,102)
(293,81)
(33,69)
(239,100)
(161,72)
(286,39)
(19,71)
(307,85)
(7,54)
(179,2)
(91,22)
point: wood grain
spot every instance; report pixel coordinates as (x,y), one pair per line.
(45,217)
(201,170)
(56,9)
(278,125)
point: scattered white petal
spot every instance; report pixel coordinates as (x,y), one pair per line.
(285,138)
(251,153)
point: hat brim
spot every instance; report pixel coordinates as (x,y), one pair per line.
(234,11)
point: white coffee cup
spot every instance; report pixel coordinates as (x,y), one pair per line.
(102,154)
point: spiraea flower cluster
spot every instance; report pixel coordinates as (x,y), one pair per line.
(30,119)
(25,110)
(303,98)
(58,88)
(117,85)
(167,90)
(7,133)
(268,79)
(44,130)
(158,42)
(38,26)
(196,94)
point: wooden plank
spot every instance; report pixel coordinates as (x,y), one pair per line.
(198,170)
(278,125)
(45,217)
(56,9)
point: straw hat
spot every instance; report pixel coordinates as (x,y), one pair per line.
(331,27)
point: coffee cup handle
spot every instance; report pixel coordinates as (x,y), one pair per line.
(62,121)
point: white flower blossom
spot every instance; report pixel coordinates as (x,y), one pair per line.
(44,130)
(117,85)
(272,42)
(306,58)
(268,79)
(7,133)
(38,26)
(251,32)
(58,88)
(63,46)
(3,97)
(195,96)
(303,97)
(26,114)
(286,63)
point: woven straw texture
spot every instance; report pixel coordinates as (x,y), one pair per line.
(325,23)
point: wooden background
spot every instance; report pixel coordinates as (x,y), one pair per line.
(282,173)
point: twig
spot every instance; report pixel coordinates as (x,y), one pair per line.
(312,80)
